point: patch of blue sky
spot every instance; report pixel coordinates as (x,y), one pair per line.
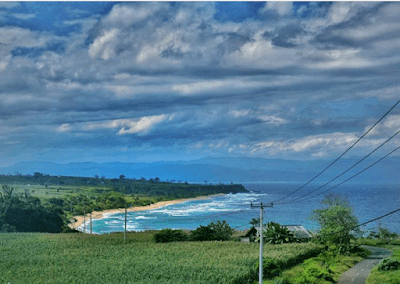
(33,52)
(51,16)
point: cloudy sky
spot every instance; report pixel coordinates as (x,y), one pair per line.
(153,81)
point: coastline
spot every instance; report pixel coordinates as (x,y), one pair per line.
(105,213)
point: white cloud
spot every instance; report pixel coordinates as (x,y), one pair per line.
(282,8)
(66,127)
(143,125)
(274,120)
(129,126)
(239,113)
(9,4)
(23,16)
(127,15)
(15,36)
(104,45)
(389,126)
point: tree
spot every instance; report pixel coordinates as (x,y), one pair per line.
(222,230)
(337,222)
(202,233)
(215,231)
(121,177)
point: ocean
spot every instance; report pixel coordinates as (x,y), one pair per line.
(367,201)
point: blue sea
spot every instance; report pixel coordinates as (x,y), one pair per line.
(368,202)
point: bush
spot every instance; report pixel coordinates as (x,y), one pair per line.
(202,233)
(389,264)
(7,229)
(270,268)
(282,280)
(222,230)
(168,235)
(215,231)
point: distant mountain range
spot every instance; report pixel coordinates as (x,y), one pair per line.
(223,169)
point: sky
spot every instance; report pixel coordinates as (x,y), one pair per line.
(164,81)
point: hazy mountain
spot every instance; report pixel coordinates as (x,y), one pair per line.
(223,169)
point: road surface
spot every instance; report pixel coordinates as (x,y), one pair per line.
(358,274)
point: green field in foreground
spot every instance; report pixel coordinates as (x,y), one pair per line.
(79,258)
(323,269)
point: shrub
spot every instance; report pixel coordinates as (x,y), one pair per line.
(222,230)
(202,233)
(271,268)
(282,280)
(389,264)
(168,235)
(6,228)
(215,231)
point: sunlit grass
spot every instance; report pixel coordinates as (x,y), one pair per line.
(79,258)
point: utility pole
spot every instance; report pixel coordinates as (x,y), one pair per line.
(125,224)
(84,220)
(260,272)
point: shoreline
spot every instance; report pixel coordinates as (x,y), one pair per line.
(103,214)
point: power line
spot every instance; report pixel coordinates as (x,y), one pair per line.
(362,224)
(297,200)
(342,172)
(340,155)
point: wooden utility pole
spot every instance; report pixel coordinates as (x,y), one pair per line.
(260,272)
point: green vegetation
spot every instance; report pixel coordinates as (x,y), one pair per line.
(63,185)
(169,235)
(25,213)
(388,264)
(378,276)
(274,233)
(323,269)
(61,197)
(81,258)
(383,273)
(337,223)
(215,231)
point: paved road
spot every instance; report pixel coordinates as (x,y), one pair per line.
(358,274)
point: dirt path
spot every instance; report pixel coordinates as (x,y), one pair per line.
(359,273)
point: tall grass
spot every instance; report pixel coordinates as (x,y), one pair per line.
(78,258)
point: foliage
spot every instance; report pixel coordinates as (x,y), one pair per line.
(336,223)
(383,233)
(202,233)
(378,276)
(153,187)
(80,258)
(215,231)
(274,266)
(327,267)
(274,233)
(389,264)
(168,235)
(26,214)
(7,229)
(222,230)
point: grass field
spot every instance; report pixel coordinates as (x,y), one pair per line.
(79,258)
(323,269)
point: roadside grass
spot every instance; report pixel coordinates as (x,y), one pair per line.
(80,258)
(323,269)
(384,277)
